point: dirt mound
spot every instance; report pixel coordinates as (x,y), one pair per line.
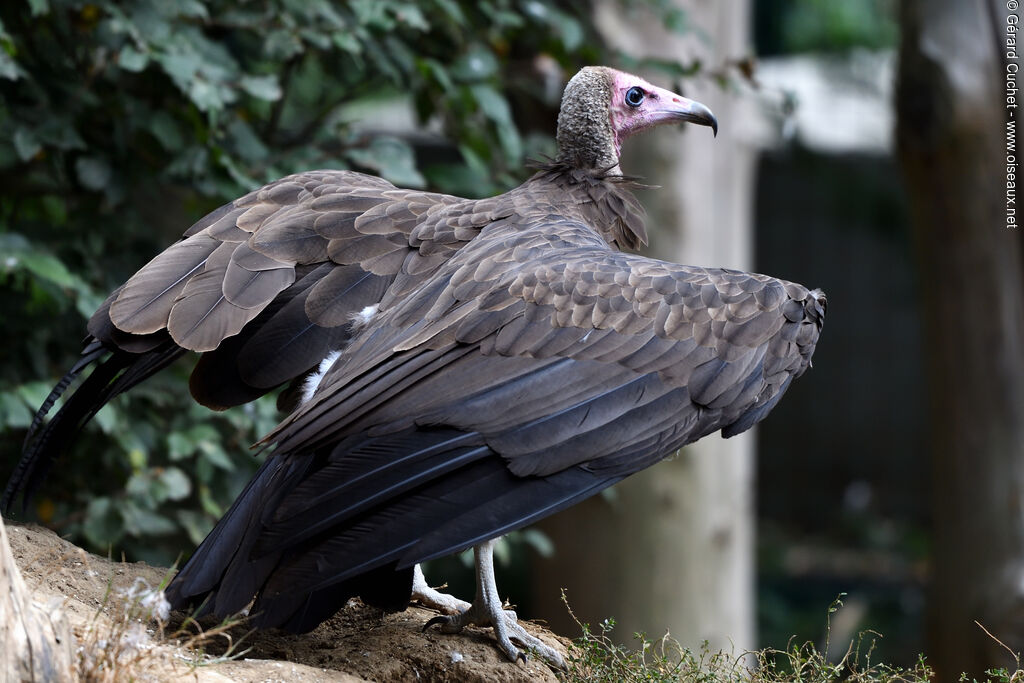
(359,643)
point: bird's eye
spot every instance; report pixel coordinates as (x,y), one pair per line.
(635,96)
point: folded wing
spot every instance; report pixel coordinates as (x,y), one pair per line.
(536,368)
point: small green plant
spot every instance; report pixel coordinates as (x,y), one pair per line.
(1000,674)
(594,656)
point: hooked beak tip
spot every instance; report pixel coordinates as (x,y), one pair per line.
(700,114)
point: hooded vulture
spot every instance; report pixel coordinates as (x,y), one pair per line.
(461,368)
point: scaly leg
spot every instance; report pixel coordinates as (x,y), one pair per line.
(487,610)
(442,602)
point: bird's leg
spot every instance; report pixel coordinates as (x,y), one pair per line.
(442,602)
(487,610)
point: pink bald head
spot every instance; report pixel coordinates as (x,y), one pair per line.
(637,105)
(601,107)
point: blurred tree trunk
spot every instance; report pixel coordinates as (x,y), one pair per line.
(672,547)
(36,643)
(952,144)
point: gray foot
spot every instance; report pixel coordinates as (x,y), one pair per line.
(506,629)
(429,597)
(487,610)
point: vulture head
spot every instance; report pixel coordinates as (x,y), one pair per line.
(601,107)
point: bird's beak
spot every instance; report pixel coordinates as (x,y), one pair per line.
(670,107)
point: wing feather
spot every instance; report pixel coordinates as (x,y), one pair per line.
(145,300)
(531,369)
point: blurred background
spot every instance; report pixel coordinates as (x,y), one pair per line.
(863,150)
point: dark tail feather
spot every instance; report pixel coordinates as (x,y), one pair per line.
(111,376)
(93,351)
(385,588)
(200,580)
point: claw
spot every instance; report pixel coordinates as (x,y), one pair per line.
(487,610)
(435,620)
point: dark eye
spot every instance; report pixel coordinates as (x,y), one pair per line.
(635,96)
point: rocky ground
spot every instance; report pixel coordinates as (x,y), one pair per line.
(357,644)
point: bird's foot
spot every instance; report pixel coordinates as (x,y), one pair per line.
(435,599)
(506,629)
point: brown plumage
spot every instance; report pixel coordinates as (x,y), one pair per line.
(494,361)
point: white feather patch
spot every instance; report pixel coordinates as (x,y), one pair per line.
(313,381)
(363,317)
(358,320)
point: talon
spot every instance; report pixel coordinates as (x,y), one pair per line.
(488,610)
(435,620)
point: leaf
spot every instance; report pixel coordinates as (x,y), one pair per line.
(347,42)
(138,459)
(138,486)
(502,551)
(262,87)
(176,483)
(47,267)
(208,95)
(103,525)
(87,300)
(476,64)
(374,14)
(59,131)
(14,412)
(26,144)
(209,504)
(93,172)
(452,10)
(39,7)
(539,541)
(198,75)
(141,522)
(236,171)
(569,27)
(9,68)
(191,162)
(166,130)
(191,8)
(33,393)
(392,158)
(202,438)
(412,16)
(245,142)
(131,59)
(108,418)
(434,68)
(196,525)
(214,454)
(282,45)
(495,107)
(20,254)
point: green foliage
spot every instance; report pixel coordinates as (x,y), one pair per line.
(1000,674)
(785,26)
(595,656)
(123,122)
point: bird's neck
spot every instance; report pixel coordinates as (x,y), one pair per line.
(601,199)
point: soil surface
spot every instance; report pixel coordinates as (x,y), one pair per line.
(359,643)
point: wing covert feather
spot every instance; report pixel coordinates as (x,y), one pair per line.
(730,340)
